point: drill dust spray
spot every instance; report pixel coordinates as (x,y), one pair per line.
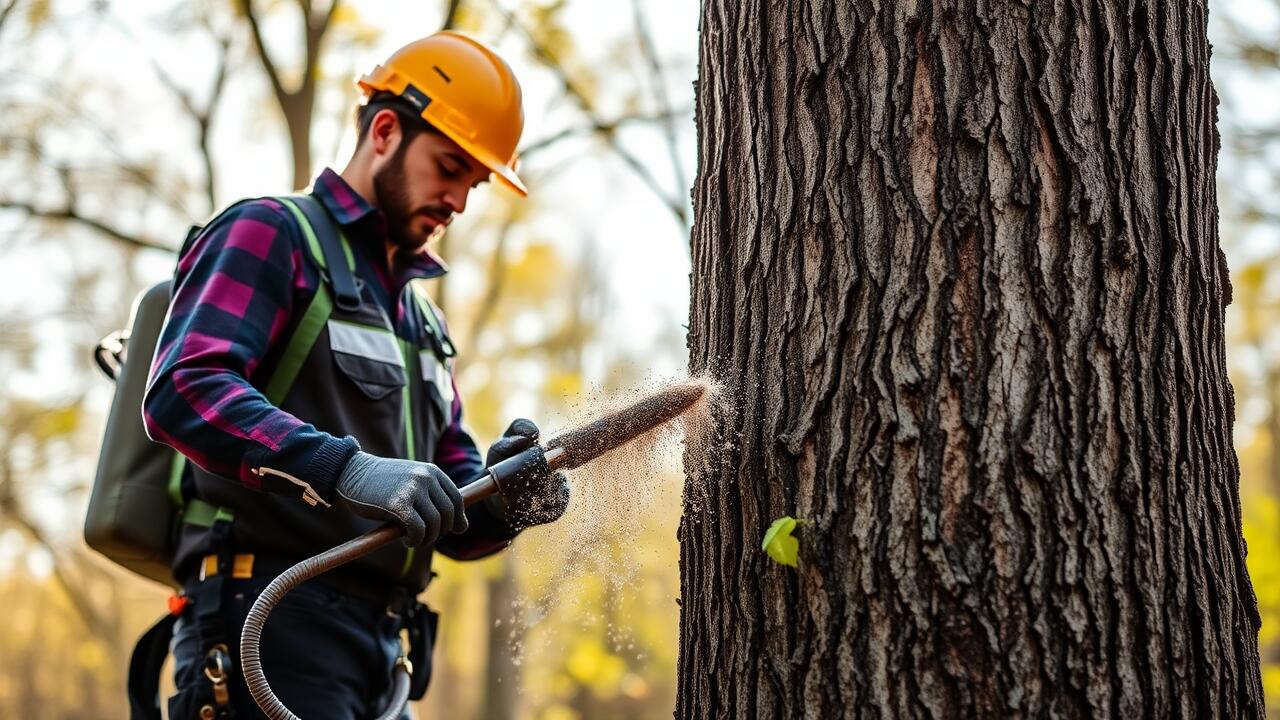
(580,573)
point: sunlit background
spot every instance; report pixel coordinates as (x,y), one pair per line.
(121,123)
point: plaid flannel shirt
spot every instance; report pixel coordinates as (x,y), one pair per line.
(235,290)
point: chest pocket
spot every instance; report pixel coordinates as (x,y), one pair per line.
(437,378)
(369,356)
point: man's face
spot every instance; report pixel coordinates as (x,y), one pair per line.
(422,185)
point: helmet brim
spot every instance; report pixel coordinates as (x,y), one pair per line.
(383,79)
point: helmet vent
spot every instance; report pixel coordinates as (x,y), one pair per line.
(441,73)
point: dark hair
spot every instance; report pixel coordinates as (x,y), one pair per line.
(411,123)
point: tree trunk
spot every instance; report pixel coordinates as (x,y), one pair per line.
(298,104)
(297,113)
(501,699)
(960,261)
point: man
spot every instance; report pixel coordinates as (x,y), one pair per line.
(370,429)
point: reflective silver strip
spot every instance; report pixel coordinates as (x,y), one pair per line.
(366,342)
(433,371)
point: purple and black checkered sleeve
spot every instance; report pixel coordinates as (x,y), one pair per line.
(233,296)
(456,453)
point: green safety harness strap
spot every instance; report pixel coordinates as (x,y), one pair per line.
(198,512)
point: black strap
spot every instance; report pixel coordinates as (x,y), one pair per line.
(207,596)
(345,294)
(144,669)
(153,647)
(421,624)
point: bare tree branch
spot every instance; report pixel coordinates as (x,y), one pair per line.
(63,172)
(69,214)
(660,96)
(316,27)
(584,103)
(4,12)
(12,510)
(202,116)
(450,14)
(328,16)
(605,128)
(296,105)
(205,122)
(67,173)
(264,55)
(642,171)
(184,97)
(112,144)
(93,620)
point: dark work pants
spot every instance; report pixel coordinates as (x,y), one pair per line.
(325,653)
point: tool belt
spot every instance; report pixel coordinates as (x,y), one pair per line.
(203,598)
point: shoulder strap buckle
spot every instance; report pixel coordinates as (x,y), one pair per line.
(435,326)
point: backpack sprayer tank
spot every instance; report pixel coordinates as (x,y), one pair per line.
(566,451)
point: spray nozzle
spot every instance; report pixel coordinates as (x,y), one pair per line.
(580,445)
(520,469)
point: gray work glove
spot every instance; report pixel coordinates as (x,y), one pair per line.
(417,496)
(528,499)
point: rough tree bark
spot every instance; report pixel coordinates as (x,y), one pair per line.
(960,260)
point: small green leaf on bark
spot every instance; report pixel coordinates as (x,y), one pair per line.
(779,543)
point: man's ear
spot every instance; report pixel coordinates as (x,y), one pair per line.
(384,132)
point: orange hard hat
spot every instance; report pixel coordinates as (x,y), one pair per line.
(465,90)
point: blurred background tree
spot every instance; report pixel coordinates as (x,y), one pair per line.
(122,123)
(1247,73)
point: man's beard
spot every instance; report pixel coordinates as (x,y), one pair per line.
(390,196)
